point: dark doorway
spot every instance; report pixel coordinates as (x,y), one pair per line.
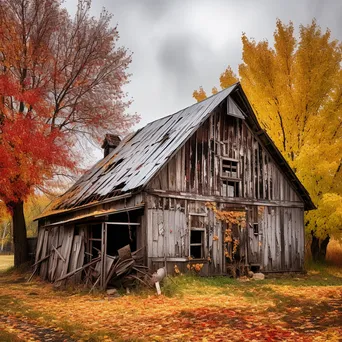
(120,235)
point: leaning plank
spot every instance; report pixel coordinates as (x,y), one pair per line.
(41,260)
(76,248)
(80,258)
(94,261)
(39,243)
(45,251)
(36,267)
(62,267)
(59,254)
(53,258)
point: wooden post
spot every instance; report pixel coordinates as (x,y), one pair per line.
(103,255)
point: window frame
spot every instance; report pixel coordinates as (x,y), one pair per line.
(203,235)
(223,175)
(227,178)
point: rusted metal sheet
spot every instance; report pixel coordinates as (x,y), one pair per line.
(140,155)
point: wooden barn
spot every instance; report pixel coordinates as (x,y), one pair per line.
(204,189)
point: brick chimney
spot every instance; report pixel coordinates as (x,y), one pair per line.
(110,143)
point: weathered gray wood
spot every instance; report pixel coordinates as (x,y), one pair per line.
(94,261)
(66,235)
(44,252)
(39,243)
(75,255)
(103,266)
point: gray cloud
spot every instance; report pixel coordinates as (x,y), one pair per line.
(181,45)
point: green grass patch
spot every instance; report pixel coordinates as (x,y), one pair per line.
(6,262)
(317,275)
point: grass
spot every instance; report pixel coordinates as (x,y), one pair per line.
(6,262)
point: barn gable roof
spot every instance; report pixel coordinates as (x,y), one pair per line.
(142,154)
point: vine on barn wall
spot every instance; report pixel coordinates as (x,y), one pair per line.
(230,218)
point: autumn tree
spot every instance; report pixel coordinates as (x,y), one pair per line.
(61,81)
(295,88)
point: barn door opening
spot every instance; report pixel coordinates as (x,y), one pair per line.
(254,237)
(234,241)
(124,229)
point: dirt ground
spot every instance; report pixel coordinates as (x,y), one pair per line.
(293,308)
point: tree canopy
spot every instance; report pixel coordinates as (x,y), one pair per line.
(61,80)
(295,88)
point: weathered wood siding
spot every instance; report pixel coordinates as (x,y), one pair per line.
(170,222)
(193,176)
(196,168)
(282,239)
(277,246)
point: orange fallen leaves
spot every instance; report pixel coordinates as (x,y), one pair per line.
(228,313)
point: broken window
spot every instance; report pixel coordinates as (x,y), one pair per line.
(196,243)
(254,219)
(197,235)
(230,176)
(255,228)
(229,168)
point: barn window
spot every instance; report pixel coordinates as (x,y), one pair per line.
(229,168)
(197,235)
(255,228)
(196,243)
(230,175)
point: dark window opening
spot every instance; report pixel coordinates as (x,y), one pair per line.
(255,228)
(118,236)
(196,244)
(255,268)
(196,252)
(196,237)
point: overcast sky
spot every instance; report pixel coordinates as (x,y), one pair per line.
(179,45)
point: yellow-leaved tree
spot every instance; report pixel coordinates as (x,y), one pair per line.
(295,88)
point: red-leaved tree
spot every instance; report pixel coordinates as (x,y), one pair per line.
(61,80)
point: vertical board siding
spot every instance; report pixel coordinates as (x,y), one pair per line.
(169,234)
(196,166)
(282,239)
(196,169)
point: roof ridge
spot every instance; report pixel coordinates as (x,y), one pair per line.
(194,104)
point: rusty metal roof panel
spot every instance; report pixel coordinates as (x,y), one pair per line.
(140,155)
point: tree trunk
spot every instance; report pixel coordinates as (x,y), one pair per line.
(19,234)
(319,247)
(323,248)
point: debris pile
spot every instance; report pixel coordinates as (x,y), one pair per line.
(125,269)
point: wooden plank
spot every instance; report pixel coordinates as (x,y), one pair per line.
(39,243)
(67,234)
(123,223)
(103,267)
(56,251)
(54,255)
(282,239)
(231,200)
(74,254)
(44,264)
